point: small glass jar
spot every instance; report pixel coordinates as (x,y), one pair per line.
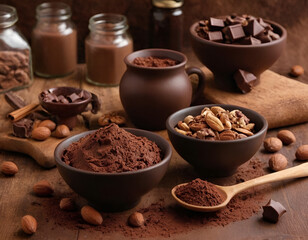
(15,53)
(166,24)
(54,41)
(106,47)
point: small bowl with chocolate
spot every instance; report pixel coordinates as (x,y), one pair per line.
(216,139)
(67,102)
(237,48)
(113,167)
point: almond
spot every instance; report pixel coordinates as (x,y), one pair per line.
(49,124)
(136,219)
(28,224)
(183,126)
(41,133)
(43,189)
(36,124)
(214,122)
(90,215)
(62,131)
(286,136)
(302,153)
(67,204)
(8,168)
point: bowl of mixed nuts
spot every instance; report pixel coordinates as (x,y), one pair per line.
(216,138)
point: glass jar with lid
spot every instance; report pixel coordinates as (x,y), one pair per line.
(54,41)
(15,53)
(166,24)
(106,47)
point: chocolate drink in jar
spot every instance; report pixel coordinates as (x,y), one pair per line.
(106,46)
(54,41)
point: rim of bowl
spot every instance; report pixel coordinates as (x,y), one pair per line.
(65,104)
(166,158)
(277,25)
(260,132)
(156,50)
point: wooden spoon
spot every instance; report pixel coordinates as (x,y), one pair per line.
(231,191)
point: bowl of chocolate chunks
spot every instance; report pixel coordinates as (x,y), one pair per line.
(237,48)
(216,138)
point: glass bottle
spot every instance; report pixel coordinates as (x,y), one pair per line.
(106,47)
(54,41)
(166,24)
(15,53)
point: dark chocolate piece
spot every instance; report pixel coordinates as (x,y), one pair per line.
(264,38)
(244,80)
(14,100)
(250,41)
(272,211)
(73,97)
(39,115)
(96,104)
(216,23)
(215,36)
(234,32)
(253,28)
(266,26)
(23,128)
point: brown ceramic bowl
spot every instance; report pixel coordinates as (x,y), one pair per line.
(225,59)
(216,158)
(114,191)
(66,113)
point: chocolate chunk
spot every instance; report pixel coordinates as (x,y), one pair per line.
(264,37)
(14,100)
(39,115)
(266,26)
(23,128)
(244,80)
(272,211)
(73,97)
(216,23)
(253,28)
(96,105)
(215,36)
(234,32)
(250,41)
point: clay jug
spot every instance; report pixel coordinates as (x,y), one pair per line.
(150,94)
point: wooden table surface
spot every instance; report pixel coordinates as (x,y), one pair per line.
(17,199)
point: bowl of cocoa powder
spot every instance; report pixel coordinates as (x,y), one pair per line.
(113,167)
(216,138)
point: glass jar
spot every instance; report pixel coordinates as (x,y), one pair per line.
(15,53)
(166,24)
(106,46)
(54,41)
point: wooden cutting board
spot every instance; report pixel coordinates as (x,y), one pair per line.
(281,100)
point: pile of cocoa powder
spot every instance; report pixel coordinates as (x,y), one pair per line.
(112,149)
(165,218)
(154,62)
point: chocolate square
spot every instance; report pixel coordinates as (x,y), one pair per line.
(215,36)
(253,28)
(250,41)
(216,23)
(272,211)
(234,32)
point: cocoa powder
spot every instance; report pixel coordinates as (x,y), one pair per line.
(154,62)
(112,149)
(200,192)
(163,218)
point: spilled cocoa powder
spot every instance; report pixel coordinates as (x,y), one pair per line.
(165,218)
(154,62)
(112,149)
(201,193)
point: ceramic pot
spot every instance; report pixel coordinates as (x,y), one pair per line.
(150,94)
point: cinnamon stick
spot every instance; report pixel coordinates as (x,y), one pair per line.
(22,112)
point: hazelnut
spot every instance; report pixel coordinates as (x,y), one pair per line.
(61,131)
(302,153)
(286,136)
(297,71)
(49,124)
(272,144)
(136,219)
(8,168)
(277,162)
(41,133)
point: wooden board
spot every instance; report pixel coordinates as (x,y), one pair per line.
(281,100)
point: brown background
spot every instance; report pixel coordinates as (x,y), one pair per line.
(293,15)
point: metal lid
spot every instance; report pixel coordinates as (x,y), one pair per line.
(168,3)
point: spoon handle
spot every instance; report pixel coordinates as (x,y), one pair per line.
(294,172)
